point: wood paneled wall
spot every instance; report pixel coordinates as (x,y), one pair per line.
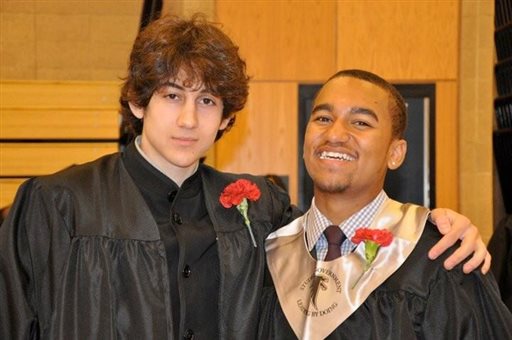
(476,114)
(48,126)
(67,40)
(264,140)
(287,43)
(400,40)
(283,40)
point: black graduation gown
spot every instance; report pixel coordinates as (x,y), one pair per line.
(81,257)
(500,247)
(421,300)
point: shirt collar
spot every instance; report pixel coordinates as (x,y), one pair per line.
(158,190)
(143,154)
(316,222)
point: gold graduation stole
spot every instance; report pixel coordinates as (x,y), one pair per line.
(317,296)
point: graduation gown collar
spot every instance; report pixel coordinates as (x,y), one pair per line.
(317,296)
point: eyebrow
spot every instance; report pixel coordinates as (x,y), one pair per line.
(322,107)
(171,84)
(353,110)
(180,87)
(365,111)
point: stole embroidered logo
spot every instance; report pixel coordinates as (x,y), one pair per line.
(321,292)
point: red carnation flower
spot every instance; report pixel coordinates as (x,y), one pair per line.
(382,237)
(237,194)
(373,239)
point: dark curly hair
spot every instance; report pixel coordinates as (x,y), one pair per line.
(398,108)
(196,46)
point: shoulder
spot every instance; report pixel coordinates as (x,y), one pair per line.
(225,178)
(419,273)
(273,201)
(422,276)
(219,180)
(82,175)
(75,185)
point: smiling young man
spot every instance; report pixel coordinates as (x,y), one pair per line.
(137,245)
(355,265)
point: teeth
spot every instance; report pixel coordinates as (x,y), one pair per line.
(336,155)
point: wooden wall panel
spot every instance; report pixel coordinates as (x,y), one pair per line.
(31,159)
(400,40)
(34,114)
(45,94)
(447,141)
(283,40)
(79,39)
(476,118)
(58,123)
(264,138)
(8,188)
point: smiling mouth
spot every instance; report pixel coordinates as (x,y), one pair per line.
(339,156)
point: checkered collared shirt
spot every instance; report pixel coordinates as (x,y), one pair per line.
(316,222)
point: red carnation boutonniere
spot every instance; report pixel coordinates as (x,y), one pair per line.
(373,239)
(238,193)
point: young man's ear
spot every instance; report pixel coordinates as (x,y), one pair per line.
(136,110)
(397,151)
(227,123)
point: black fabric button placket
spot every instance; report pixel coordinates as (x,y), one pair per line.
(176,218)
(189,334)
(187,271)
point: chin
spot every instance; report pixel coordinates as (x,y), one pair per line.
(330,187)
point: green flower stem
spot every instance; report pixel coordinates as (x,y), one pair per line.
(242,208)
(370,253)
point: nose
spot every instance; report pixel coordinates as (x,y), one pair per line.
(187,116)
(338,132)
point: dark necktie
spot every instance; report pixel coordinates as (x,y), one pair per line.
(335,238)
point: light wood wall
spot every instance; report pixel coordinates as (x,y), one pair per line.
(476,94)
(48,126)
(287,43)
(67,40)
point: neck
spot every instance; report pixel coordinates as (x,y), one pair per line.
(177,174)
(338,207)
(180,177)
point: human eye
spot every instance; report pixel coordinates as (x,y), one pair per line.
(321,119)
(172,96)
(208,100)
(361,123)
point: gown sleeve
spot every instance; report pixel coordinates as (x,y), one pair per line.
(28,242)
(283,211)
(465,306)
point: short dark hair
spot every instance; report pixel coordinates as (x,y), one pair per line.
(398,108)
(196,46)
